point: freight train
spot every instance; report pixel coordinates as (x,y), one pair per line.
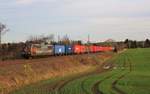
(34,50)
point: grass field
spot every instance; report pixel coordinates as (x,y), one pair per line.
(130,74)
(138,81)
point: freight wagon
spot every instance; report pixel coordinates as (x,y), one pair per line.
(46,49)
(92,49)
(59,49)
(77,49)
(69,49)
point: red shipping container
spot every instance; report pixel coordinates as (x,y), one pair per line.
(87,49)
(100,48)
(79,49)
(92,49)
(97,49)
(107,48)
(83,49)
(104,48)
(110,48)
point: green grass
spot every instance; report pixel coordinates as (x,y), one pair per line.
(138,81)
(135,82)
(84,85)
(35,88)
(134,64)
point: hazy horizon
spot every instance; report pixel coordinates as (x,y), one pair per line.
(101,19)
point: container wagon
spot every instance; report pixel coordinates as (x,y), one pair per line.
(59,49)
(83,49)
(69,49)
(77,49)
(87,49)
(92,49)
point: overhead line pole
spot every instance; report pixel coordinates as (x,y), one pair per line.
(2,28)
(0,44)
(88,43)
(0,38)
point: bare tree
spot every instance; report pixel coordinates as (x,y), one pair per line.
(50,38)
(66,39)
(3,30)
(35,39)
(41,38)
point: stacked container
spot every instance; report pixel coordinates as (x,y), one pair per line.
(59,49)
(68,49)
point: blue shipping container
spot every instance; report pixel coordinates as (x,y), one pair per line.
(59,49)
(68,49)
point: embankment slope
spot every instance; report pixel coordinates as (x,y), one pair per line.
(18,73)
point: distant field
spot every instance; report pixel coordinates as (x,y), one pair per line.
(127,73)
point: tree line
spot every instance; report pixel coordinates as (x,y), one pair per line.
(12,50)
(137,44)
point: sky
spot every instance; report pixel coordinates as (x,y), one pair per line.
(101,19)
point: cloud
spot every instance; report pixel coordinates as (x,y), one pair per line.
(102,19)
(106,8)
(28,2)
(25,2)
